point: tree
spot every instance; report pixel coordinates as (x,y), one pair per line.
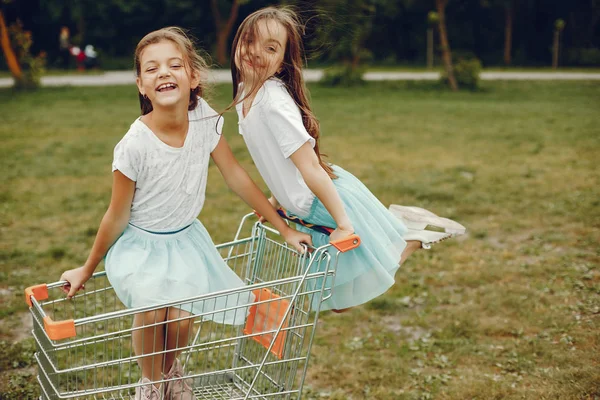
(445,45)
(9,53)
(16,46)
(224,27)
(341,34)
(432,20)
(508,7)
(559,25)
(508,29)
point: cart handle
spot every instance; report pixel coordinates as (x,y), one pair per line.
(343,245)
(56,330)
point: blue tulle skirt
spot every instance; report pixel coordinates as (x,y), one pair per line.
(150,269)
(367,271)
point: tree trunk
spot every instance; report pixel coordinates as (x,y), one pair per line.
(446,53)
(355,62)
(81,29)
(9,54)
(555,49)
(222,47)
(223,28)
(429,48)
(508,27)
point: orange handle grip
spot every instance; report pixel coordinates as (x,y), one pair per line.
(347,243)
(40,292)
(58,330)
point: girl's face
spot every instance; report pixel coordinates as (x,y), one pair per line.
(163,76)
(261,55)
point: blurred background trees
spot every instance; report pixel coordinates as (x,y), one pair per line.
(385,32)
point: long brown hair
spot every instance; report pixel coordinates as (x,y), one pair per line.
(290,72)
(193,61)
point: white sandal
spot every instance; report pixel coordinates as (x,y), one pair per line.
(417,219)
(427,238)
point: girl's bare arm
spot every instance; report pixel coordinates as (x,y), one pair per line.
(240,182)
(113,224)
(322,186)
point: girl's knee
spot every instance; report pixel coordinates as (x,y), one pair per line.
(151,317)
(179,318)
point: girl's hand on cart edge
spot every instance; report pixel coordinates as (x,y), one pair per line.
(340,233)
(76,279)
(296,239)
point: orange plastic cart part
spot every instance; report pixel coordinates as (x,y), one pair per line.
(347,243)
(56,330)
(60,329)
(40,292)
(265,317)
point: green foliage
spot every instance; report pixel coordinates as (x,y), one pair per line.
(341,36)
(22,385)
(33,66)
(19,355)
(466,72)
(343,76)
(432,18)
(583,56)
(396,29)
(559,24)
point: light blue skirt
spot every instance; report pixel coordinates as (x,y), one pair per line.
(367,271)
(149,269)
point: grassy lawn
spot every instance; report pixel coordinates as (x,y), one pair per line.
(509,311)
(439,68)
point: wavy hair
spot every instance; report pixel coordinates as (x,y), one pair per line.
(290,72)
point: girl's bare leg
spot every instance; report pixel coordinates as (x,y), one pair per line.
(150,340)
(178,334)
(343,310)
(411,247)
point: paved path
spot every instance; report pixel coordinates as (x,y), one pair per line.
(311,75)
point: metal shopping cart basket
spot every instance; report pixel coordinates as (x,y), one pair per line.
(85,347)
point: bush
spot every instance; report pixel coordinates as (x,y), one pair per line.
(583,56)
(466,72)
(32,67)
(462,54)
(344,76)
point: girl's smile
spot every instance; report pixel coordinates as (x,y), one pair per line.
(165,87)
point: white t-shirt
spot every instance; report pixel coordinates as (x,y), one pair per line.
(170,182)
(273,131)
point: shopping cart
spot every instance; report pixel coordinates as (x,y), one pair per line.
(85,348)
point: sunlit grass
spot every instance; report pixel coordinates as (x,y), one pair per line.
(512,310)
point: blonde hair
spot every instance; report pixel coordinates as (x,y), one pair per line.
(192,60)
(290,72)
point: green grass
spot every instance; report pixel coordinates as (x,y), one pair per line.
(509,311)
(437,68)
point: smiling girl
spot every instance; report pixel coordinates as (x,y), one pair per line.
(155,249)
(282,136)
